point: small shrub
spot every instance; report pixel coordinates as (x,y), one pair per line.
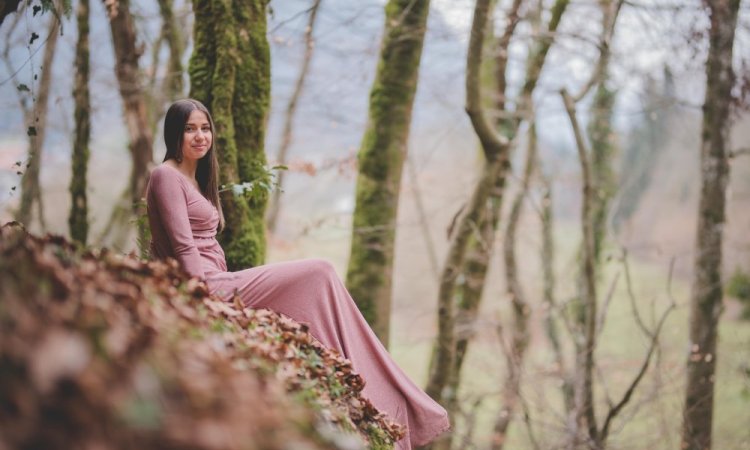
(738,286)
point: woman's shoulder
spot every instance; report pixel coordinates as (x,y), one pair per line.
(165,170)
(165,176)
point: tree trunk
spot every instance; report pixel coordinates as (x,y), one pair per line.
(78,218)
(603,148)
(381,159)
(229,73)
(495,148)
(586,343)
(706,294)
(136,122)
(291,109)
(31,192)
(173,85)
(548,288)
(521,310)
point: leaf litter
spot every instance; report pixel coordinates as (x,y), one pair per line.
(101,350)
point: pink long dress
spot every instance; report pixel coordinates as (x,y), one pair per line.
(183,226)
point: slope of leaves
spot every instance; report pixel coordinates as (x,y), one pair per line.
(103,350)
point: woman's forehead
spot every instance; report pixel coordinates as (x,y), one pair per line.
(197,116)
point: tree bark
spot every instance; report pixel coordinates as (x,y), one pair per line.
(706,293)
(140,143)
(291,109)
(78,218)
(548,288)
(173,85)
(381,158)
(31,193)
(229,73)
(495,147)
(584,392)
(521,310)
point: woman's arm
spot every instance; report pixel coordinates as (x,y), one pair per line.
(170,200)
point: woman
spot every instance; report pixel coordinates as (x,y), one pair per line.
(185,214)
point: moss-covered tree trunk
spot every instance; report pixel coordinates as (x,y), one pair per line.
(496,147)
(706,295)
(230,73)
(381,159)
(78,218)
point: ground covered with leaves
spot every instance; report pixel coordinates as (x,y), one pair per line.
(100,350)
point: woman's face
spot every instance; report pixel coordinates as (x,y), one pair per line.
(197,137)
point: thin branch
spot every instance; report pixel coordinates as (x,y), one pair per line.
(610,11)
(740,152)
(291,110)
(631,296)
(605,307)
(423,220)
(634,384)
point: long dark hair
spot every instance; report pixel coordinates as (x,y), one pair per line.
(207,172)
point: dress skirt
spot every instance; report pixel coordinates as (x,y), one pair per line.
(310,292)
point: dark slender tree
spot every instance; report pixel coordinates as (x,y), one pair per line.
(707,291)
(78,218)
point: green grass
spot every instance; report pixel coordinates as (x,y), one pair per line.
(652,418)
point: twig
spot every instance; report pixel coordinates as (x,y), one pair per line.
(634,384)
(603,313)
(631,296)
(423,221)
(740,152)
(527,421)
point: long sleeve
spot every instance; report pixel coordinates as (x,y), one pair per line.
(168,197)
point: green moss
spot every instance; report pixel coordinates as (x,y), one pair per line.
(378,439)
(739,286)
(601,136)
(381,159)
(78,218)
(230,73)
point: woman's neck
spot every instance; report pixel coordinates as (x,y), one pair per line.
(187,167)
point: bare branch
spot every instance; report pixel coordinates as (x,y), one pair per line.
(603,313)
(585,355)
(291,109)
(610,10)
(740,152)
(634,384)
(631,296)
